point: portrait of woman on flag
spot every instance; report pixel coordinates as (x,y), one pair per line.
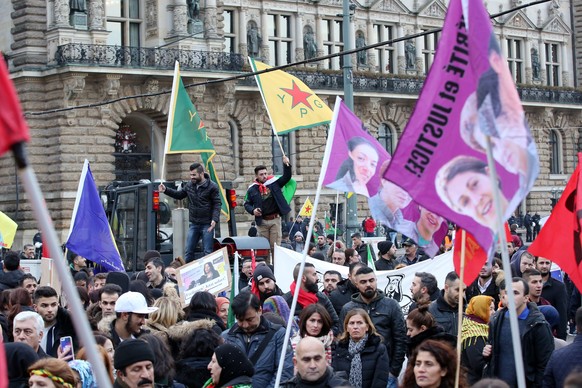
(425,230)
(358,169)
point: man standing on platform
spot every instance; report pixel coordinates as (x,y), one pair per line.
(266,202)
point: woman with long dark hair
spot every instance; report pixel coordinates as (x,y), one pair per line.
(314,321)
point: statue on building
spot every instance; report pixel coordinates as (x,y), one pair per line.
(361,42)
(410,51)
(535,64)
(309,45)
(78,5)
(193,8)
(254,41)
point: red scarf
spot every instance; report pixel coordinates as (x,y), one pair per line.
(262,188)
(305,298)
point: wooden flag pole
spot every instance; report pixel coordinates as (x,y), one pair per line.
(460,311)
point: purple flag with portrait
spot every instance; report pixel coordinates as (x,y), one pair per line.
(355,161)
(468,94)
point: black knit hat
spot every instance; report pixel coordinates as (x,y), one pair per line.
(234,363)
(384,247)
(261,272)
(131,351)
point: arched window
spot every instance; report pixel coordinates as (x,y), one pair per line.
(387,137)
(555,144)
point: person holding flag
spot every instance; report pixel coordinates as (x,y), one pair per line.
(204,207)
(265,200)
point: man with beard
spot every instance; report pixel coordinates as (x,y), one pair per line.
(331,279)
(554,291)
(345,289)
(424,287)
(131,311)
(309,293)
(386,316)
(445,309)
(387,256)
(260,340)
(204,208)
(134,364)
(57,321)
(265,282)
(484,285)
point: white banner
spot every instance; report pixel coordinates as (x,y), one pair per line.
(395,284)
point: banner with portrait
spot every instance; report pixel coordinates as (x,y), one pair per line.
(210,273)
(469,94)
(395,284)
(357,162)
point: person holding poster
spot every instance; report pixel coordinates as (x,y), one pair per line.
(357,170)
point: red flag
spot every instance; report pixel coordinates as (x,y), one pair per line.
(560,240)
(13,128)
(475,256)
(508,237)
(254,285)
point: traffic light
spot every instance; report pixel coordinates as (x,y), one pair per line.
(231,198)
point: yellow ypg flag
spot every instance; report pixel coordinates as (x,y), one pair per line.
(307,209)
(290,103)
(7,231)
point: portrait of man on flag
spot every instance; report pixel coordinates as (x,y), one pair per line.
(469,102)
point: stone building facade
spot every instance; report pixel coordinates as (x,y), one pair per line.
(66,60)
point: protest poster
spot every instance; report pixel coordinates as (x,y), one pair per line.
(210,273)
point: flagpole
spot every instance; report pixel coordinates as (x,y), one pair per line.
(336,213)
(460,309)
(324,165)
(515,336)
(170,118)
(49,234)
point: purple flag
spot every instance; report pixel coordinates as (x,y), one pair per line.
(469,93)
(355,162)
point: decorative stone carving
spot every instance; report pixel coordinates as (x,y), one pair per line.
(435,10)
(62,13)
(180,19)
(110,88)
(73,87)
(96,15)
(151,86)
(151,15)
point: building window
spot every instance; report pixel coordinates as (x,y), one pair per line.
(277,155)
(279,27)
(229,31)
(555,152)
(429,49)
(124,23)
(333,42)
(552,64)
(515,59)
(386,137)
(385,53)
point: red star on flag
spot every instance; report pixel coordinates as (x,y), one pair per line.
(307,209)
(299,96)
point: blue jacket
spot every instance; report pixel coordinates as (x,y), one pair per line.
(254,199)
(562,362)
(268,362)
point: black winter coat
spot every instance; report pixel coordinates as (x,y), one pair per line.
(445,316)
(436,333)
(203,202)
(387,317)
(340,297)
(374,360)
(537,344)
(254,199)
(10,279)
(193,371)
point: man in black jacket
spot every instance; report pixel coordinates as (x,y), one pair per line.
(554,291)
(57,321)
(12,274)
(484,285)
(386,315)
(204,208)
(266,202)
(345,289)
(309,293)
(537,342)
(445,309)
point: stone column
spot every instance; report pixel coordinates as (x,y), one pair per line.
(319,28)
(299,50)
(528,70)
(543,59)
(565,64)
(62,11)
(96,15)
(210,19)
(242,31)
(372,53)
(400,52)
(180,17)
(420,65)
(265,37)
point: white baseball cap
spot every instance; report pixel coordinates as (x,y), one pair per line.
(133,302)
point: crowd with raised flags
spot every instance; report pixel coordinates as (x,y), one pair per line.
(460,301)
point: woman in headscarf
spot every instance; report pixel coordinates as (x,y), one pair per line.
(474,333)
(360,352)
(85,373)
(230,367)
(276,304)
(19,356)
(51,373)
